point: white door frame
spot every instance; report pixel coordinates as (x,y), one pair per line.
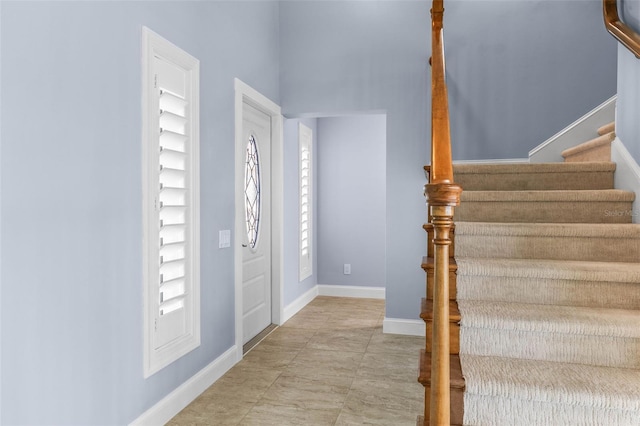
(245,94)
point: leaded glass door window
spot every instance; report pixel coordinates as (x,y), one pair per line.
(252,192)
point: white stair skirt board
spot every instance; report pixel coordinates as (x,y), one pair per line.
(351,291)
(183,395)
(583,129)
(296,306)
(406,327)
(627,175)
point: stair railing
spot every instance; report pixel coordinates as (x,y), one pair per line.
(621,31)
(442,196)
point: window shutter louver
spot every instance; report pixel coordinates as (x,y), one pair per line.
(305,261)
(173,142)
(171,179)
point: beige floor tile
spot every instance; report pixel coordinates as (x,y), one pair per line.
(387,418)
(219,413)
(388,366)
(289,337)
(265,414)
(308,320)
(309,393)
(242,383)
(341,340)
(372,402)
(316,363)
(265,356)
(328,365)
(344,322)
(395,344)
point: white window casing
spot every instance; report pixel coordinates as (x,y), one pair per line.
(171,192)
(305,139)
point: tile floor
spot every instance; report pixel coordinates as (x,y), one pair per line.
(328,365)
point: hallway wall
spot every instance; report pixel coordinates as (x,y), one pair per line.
(71,197)
(352,200)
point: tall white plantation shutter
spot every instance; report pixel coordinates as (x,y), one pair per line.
(171,203)
(306,260)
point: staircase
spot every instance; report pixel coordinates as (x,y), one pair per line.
(544,289)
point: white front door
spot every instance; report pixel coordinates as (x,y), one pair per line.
(256,236)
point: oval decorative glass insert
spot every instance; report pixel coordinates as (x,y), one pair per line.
(252,191)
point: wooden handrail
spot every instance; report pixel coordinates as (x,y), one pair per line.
(442,196)
(621,31)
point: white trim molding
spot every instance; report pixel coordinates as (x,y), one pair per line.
(627,174)
(246,94)
(351,291)
(184,394)
(404,326)
(170,157)
(581,130)
(296,306)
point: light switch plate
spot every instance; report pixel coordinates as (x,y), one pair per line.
(347,268)
(224,238)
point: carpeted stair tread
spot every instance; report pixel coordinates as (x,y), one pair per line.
(560,206)
(625,272)
(607,128)
(566,241)
(554,383)
(546,281)
(583,335)
(554,196)
(549,230)
(534,176)
(597,149)
(550,318)
(509,168)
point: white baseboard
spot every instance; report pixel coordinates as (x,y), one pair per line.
(627,175)
(294,307)
(351,291)
(184,394)
(403,326)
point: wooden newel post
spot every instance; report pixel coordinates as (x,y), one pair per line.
(442,198)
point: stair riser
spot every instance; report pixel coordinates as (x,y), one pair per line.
(549,247)
(597,294)
(558,347)
(456,398)
(544,212)
(483,410)
(534,181)
(452,285)
(454,338)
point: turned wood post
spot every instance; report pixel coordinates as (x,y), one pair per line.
(442,196)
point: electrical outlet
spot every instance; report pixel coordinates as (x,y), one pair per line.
(347,268)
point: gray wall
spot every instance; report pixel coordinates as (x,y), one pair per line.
(341,57)
(628,106)
(352,200)
(293,287)
(71,197)
(520,71)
